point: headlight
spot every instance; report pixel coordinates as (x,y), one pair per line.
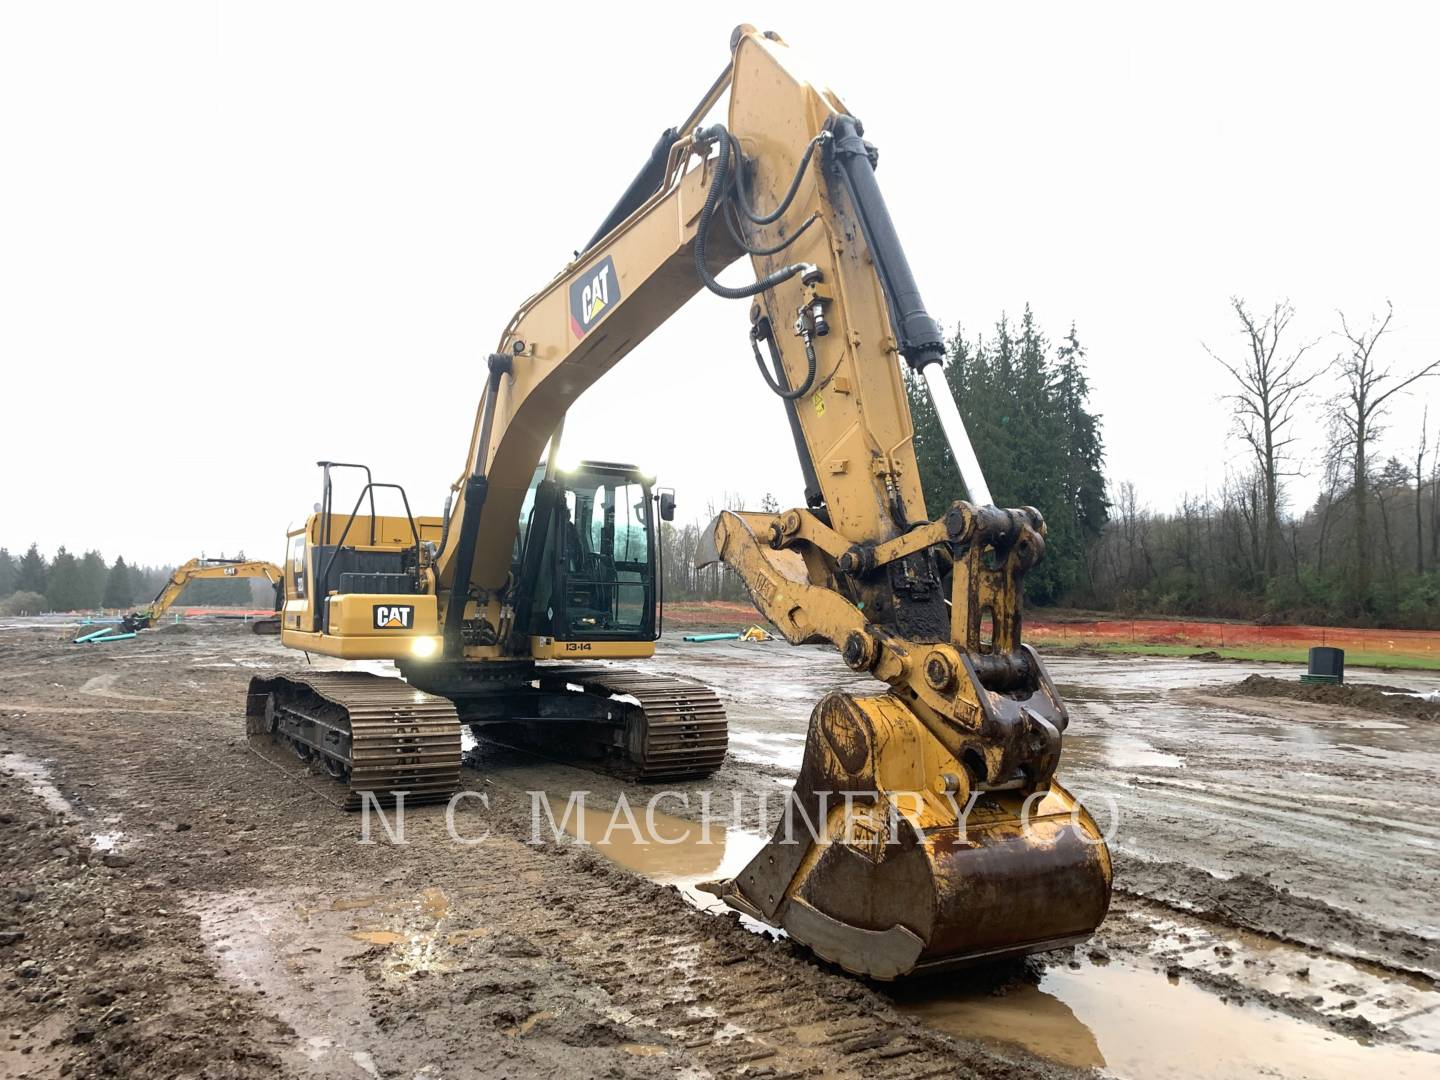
(425,646)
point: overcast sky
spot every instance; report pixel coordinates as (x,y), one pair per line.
(237,238)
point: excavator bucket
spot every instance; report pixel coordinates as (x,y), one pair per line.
(881,868)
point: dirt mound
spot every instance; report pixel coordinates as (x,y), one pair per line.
(1210,656)
(1388,700)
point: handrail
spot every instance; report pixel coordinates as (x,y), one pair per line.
(327,496)
(369,489)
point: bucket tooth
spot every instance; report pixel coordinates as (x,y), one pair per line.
(875,868)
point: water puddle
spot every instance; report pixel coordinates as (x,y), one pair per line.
(1134,754)
(1333,987)
(643,1049)
(271,945)
(666,849)
(1114,750)
(1140,1024)
(37,777)
(528,1024)
(781,749)
(414,931)
(355,903)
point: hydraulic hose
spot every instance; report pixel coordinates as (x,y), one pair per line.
(718,182)
(733,226)
(775,385)
(743,200)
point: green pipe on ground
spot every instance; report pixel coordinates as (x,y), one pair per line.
(712,637)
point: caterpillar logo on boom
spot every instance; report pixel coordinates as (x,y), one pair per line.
(394,616)
(592,294)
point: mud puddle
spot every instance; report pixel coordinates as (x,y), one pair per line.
(1117,751)
(1139,1023)
(783,750)
(307,969)
(666,849)
(37,778)
(1342,992)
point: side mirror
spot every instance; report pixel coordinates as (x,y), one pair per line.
(667,506)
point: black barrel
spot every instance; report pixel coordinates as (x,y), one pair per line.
(1328,663)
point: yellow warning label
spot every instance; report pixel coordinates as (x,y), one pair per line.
(819,403)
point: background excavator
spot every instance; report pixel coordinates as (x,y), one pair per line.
(202,569)
(944,838)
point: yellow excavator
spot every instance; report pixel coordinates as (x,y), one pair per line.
(942,836)
(203,569)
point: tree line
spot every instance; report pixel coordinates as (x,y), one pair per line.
(1365,552)
(681,579)
(32,584)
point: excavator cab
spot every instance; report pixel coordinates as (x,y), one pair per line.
(587,555)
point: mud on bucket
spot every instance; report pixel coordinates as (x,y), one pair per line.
(899,879)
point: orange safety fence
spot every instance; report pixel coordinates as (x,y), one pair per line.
(1219,635)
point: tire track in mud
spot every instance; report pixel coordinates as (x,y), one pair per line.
(1254,904)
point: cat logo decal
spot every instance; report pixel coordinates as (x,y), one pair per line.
(394,616)
(593,294)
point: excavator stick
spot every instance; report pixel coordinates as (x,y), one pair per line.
(876,870)
(926,829)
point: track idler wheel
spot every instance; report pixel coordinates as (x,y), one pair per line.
(902,879)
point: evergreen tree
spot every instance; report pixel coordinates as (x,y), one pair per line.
(33,572)
(1084,449)
(93,573)
(119,587)
(1037,443)
(217,592)
(9,572)
(147,582)
(63,587)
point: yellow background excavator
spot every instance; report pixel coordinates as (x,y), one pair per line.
(945,836)
(203,569)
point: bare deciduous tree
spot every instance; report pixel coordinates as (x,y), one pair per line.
(1271,384)
(1420,491)
(1367,389)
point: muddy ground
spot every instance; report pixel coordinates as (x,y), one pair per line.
(173,904)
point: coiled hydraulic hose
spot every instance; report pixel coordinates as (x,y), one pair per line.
(718,185)
(788,395)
